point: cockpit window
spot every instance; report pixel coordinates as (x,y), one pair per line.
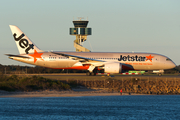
(168,59)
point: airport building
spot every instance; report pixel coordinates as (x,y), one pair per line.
(81,32)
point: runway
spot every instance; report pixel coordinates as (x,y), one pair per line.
(82,76)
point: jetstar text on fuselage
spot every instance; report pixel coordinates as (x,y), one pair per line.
(131,58)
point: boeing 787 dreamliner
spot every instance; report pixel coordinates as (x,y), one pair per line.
(109,62)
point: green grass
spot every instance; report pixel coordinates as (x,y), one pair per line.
(18,83)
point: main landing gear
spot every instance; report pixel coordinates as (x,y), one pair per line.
(90,73)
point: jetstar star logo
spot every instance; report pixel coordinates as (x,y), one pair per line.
(135,58)
(36,55)
(149,58)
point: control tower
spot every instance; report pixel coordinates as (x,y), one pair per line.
(81,32)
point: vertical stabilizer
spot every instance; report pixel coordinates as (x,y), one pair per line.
(24,44)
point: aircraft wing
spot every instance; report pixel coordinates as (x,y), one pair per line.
(20,56)
(93,62)
(81,59)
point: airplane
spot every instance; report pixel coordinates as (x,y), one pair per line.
(93,62)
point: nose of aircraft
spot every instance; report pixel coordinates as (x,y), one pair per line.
(171,65)
(168,65)
(174,65)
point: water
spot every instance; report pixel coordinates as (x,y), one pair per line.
(154,107)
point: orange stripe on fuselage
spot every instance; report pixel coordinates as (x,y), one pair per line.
(76,67)
(87,66)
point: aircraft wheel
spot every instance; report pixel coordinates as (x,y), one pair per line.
(93,73)
(160,74)
(88,73)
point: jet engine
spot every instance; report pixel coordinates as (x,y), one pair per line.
(113,67)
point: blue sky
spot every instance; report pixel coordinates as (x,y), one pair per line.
(117,25)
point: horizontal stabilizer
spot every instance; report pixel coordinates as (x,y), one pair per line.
(10,55)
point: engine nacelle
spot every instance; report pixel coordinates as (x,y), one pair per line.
(113,67)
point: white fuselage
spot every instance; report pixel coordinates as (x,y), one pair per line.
(136,61)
